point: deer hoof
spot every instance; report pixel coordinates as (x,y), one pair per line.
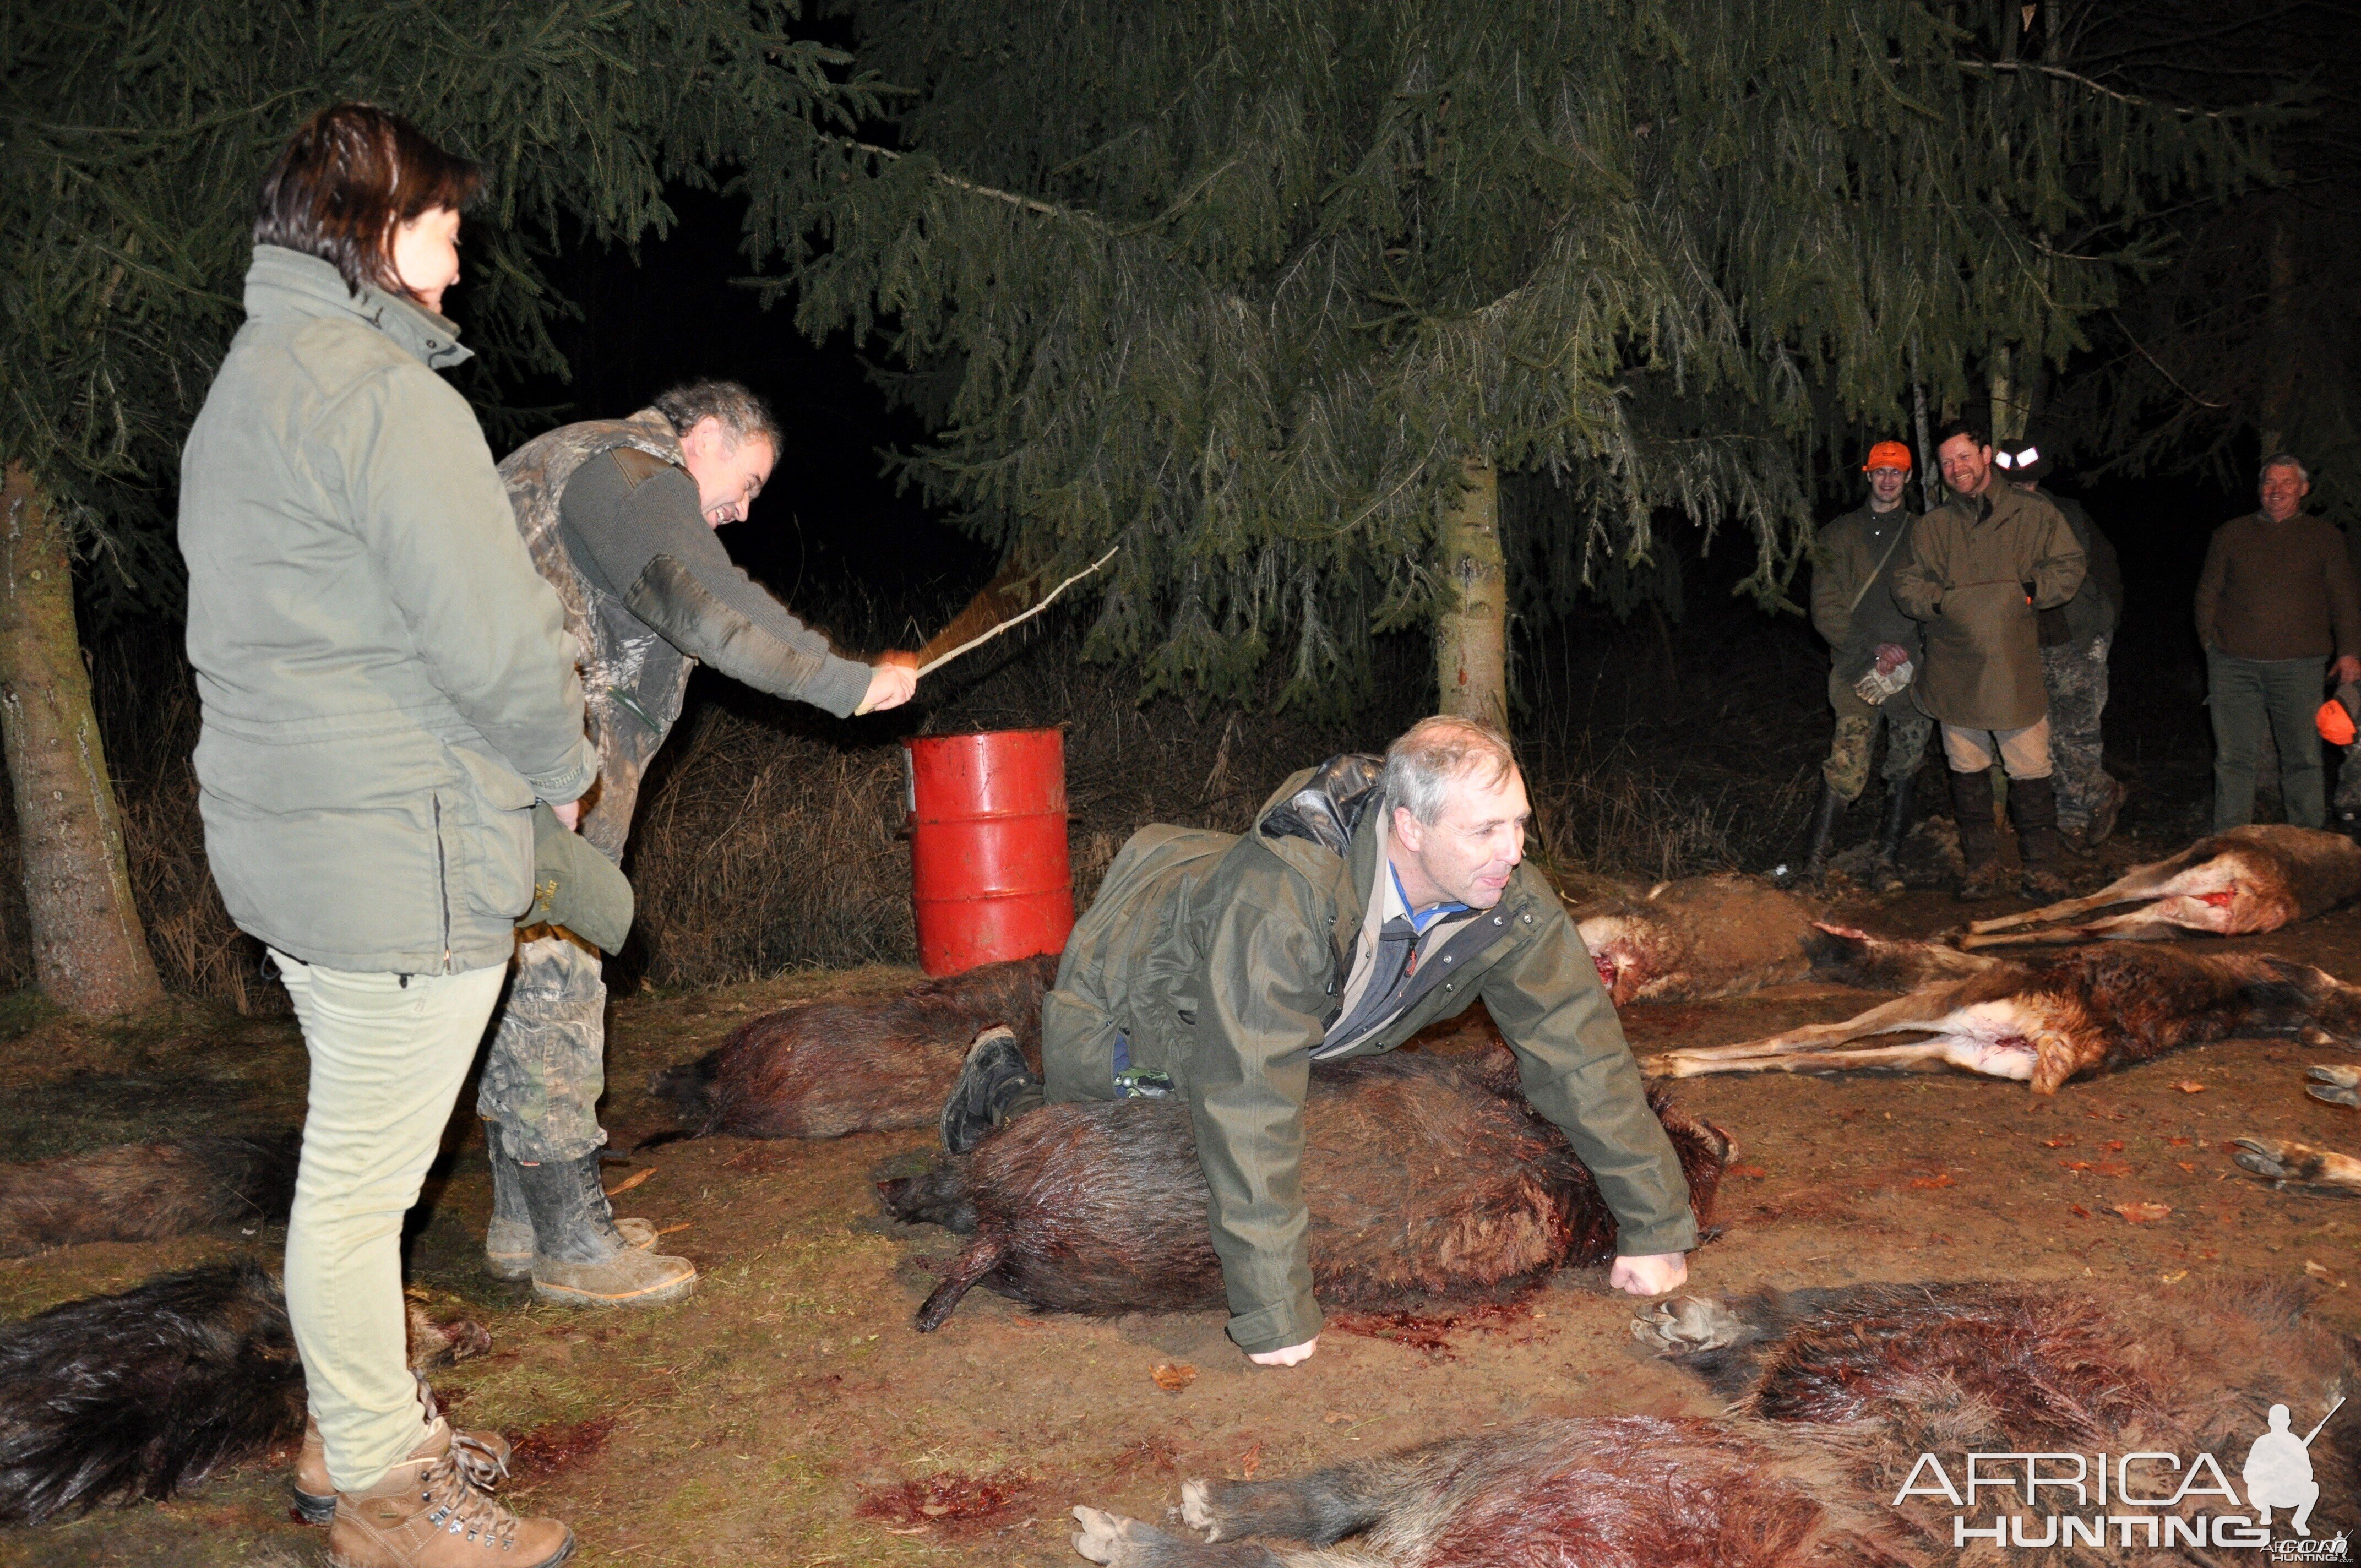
(2335,1085)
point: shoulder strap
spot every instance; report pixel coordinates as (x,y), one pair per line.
(1879,570)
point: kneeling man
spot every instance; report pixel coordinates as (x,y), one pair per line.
(1367,901)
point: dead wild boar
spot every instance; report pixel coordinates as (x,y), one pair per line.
(2046,1019)
(1428,1178)
(826,1068)
(1696,939)
(138,1395)
(1836,1393)
(145,1193)
(2236,882)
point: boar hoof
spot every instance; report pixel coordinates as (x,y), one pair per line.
(1686,1325)
(1113,1540)
(1197,1508)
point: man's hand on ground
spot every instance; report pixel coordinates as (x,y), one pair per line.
(2345,671)
(890,685)
(1288,1356)
(1650,1275)
(568,815)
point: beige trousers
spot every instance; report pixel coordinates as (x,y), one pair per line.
(389,1053)
(2023,752)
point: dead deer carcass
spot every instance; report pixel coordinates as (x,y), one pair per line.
(1696,939)
(2234,883)
(2044,1019)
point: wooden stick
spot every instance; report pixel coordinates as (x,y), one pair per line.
(931,665)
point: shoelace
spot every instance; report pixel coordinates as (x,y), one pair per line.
(457,1507)
(483,1468)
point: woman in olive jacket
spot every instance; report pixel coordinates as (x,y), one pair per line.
(386,688)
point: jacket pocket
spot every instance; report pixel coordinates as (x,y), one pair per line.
(487,837)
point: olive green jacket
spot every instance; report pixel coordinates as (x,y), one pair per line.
(387,683)
(1980,567)
(1222,958)
(1855,620)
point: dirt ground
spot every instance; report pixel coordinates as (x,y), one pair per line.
(789,1414)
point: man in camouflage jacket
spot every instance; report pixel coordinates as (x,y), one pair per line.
(619,516)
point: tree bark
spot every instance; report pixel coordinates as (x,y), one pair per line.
(2279,385)
(1471,635)
(89,953)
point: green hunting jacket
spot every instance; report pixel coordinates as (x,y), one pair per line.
(387,683)
(1221,960)
(1980,567)
(1853,614)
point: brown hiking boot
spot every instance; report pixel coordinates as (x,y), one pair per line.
(431,1511)
(315,1495)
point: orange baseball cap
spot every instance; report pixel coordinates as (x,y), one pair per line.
(1888,455)
(2336,724)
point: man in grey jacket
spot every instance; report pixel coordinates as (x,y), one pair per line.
(620,515)
(1981,566)
(1365,903)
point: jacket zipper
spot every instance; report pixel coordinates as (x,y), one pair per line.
(442,882)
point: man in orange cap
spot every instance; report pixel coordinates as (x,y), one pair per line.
(1874,649)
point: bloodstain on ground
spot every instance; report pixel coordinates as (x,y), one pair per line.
(949,1498)
(1432,1331)
(554,1445)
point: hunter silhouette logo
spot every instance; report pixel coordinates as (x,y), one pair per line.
(2278,1470)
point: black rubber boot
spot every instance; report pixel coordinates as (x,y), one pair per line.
(578,1256)
(1971,806)
(2034,803)
(508,1238)
(1825,812)
(1892,831)
(990,1084)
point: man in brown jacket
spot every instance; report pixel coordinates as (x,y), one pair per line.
(1980,565)
(2277,598)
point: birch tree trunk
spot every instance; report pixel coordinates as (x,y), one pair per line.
(1471,635)
(89,953)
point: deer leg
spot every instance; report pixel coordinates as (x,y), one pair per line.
(1970,1053)
(2139,926)
(2335,1085)
(1923,1009)
(2300,1163)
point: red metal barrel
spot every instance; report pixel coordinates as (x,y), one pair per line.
(988,868)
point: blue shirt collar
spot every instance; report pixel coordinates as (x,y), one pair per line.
(1420,919)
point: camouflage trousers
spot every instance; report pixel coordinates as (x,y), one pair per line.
(1906,731)
(2076,676)
(548,1062)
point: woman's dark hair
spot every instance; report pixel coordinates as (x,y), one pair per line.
(342,184)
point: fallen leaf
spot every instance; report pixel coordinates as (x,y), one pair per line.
(1930,1181)
(631,1182)
(2189,1086)
(2175,1278)
(1335,1418)
(2316,1270)
(2141,1213)
(1173,1376)
(2181,1143)
(2078,1209)
(2185,1165)
(1250,1462)
(1754,1171)
(2114,1145)
(2065,1143)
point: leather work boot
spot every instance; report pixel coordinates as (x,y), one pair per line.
(991,1081)
(2102,816)
(579,1258)
(432,1511)
(1972,805)
(2034,803)
(315,1495)
(507,1239)
(1891,831)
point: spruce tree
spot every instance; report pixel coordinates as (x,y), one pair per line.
(1273,296)
(134,138)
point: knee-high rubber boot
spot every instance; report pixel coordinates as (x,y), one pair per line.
(2034,803)
(579,1256)
(1892,830)
(1825,812)
(1971,803)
